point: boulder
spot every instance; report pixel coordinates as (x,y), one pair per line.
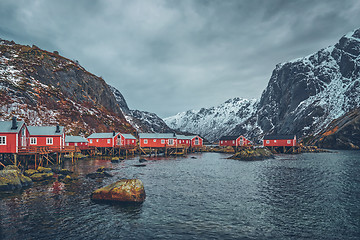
(251,154)
(67,179)
(11,167)
(41,176)
(30,172)
(125,190)
(13,179)
(44,170)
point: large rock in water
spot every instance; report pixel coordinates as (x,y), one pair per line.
(12,179)
(125,190)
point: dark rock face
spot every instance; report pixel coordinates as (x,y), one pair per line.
(55,90)
(342,133)
(305,95)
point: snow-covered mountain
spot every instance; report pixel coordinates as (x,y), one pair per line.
(142,121)
(215,121)
(302,97)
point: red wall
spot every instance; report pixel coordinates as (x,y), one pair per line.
(157,143)
(227,143)
(184,142)
(41,141)
(101,142)
(128,142)
(279,143)
(10,146)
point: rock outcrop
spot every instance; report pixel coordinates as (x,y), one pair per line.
(252,154)
(11,179)
(125,190)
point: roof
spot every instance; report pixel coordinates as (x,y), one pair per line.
(183,137)
(229,137)
(279,137)
(157,135)
(5,126)
(45,130)
(73,139)
(102,135)
(128,136)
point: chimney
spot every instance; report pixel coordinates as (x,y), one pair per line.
(174,134)
(113,133)
(14,123)
(57,129)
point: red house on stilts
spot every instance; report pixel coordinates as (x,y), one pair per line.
(13,136)
(234,141)
(279,140)
(157,140)
(104,139)
(47,136)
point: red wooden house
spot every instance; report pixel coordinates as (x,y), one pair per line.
(47,136)
(196,141)
(234,141)
(104,139)
(77,141)
(127,140)
(14,135)
(279,140)
(157,140)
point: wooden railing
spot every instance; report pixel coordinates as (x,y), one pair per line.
(46,149)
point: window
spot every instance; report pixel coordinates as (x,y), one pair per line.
(274,141)
(288,141)
(221,141)
(2,140)
(67,144)
(145,141)
(75,144)
(196,141)
(233,142)
(171,141)
(49,141)
(33,141)
(162,141)
(154,140)
(90,140)
(108,141)
(97,140)
(267,141)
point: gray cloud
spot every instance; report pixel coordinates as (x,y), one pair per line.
(167,56)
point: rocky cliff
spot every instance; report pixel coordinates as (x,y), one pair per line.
(45,88)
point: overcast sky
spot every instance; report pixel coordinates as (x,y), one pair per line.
(167,56)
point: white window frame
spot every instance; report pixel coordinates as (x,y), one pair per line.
(162,141)
(2,140)
(154,140)
(49,141)
(267,141)
(33,141)
(97,140)
(109,141)
(196,141)
(145,141)
(221,141)
(171,141)
(90,140)
(288,141)
(274,141)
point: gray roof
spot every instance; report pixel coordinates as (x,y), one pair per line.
(183,137)
(102,135)
(73,139)
(5,126)
(128,136)
(156,135)
(44,130)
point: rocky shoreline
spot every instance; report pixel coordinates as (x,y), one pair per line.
(253,154)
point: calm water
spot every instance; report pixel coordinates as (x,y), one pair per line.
(308,196)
